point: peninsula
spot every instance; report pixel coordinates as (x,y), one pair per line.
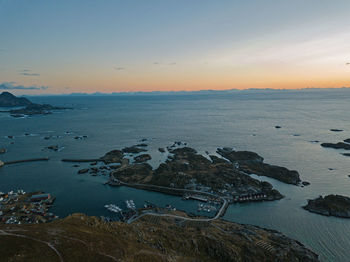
(27,107)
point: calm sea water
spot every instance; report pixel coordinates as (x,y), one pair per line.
(244,120)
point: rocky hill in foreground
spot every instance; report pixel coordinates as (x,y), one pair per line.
(82,238)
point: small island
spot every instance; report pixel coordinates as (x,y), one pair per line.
(339,145)
(252,163)
(27,107)
(331,205)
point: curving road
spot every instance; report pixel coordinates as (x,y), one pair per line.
(219,214)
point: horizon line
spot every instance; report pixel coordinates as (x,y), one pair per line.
(174,92)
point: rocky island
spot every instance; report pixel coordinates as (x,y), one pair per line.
(331,205)
(252,163)
(9,100)
(28,108)
(339,145)
(186,171)
(82,238)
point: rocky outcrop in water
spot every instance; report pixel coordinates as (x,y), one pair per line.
(133,149)
(114,156)
(36,109)
(331,205)
(339,145)
(252,163)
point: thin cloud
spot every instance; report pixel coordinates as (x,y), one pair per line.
(169,64)
(347,64)
(13,86)
(119,68)
(29,74)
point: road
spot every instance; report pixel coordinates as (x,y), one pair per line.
(219,214)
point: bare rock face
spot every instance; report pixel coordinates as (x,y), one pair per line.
(331,205)
(142,158)
(114,156)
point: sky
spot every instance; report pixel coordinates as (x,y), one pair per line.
(65,46)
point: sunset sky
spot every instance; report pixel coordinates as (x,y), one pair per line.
(116,46)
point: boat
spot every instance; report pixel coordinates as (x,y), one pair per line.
(130,204)
(113,208)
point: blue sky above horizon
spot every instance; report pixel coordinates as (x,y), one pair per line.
(117,46)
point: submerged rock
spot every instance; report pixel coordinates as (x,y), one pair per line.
(54,148)
(331,205)
(83,171)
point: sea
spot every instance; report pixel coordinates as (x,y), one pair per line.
(244,120)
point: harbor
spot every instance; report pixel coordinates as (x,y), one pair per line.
(19,207)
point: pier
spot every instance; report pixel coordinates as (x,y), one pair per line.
(81,160)
(26,160)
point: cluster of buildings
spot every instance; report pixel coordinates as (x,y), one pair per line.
(19,207)
(249,197)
